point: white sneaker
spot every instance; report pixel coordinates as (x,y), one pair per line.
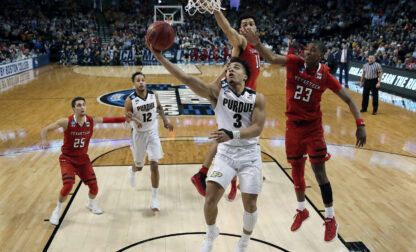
(94,208)
(241,246)
(132,177)
(154,205)
(208,242)
(54,219)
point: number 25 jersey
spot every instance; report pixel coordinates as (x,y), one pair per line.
(234,112)
(77,137)
(304,90)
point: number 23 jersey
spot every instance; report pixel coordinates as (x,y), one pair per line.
(304,90)
(234,112)
(145,110)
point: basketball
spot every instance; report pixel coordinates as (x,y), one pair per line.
(160,35)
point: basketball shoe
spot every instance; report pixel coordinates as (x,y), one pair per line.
(54,219)
(233,193)
(154,205)
(208,242)
(299,218)
(199,182)
(241,246)
(94,208)
(331,229)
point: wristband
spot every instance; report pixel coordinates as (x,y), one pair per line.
(229,133)
(236,134)
(114,119)
(360,122)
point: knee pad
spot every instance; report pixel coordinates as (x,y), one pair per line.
(298,171)
(93,188)
(66,189)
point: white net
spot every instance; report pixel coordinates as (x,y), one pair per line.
(203,6)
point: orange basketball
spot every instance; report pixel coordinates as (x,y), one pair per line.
(160,35)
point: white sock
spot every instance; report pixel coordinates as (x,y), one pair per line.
(59,206)
(302,205)
(154,192)
(211,228)
(90,201)
(245,237)
(329,212)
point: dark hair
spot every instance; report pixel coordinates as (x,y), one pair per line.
(245,16)
(321,46)
(244,63)
(135,74)
(78,98)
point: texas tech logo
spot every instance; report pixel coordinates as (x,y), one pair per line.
(176,100)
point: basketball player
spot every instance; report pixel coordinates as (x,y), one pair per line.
(307,79)
(243,50)
(240,114)
(144,105)
(78,129)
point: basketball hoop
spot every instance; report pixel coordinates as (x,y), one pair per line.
(203,6)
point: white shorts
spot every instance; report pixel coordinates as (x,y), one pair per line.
(242,161)
(145,142)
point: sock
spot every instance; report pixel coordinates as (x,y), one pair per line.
(59,206)
(234,183)
(204,170)
(329,212)
(302,205)
(154,192)
(211,228)
(245,237)
(90,201)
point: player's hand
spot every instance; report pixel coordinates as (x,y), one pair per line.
(168,125)
(129,116)
(44,144)
(138,122)
(251,35)
(219,136)
(361,136)
(157,54)
(378,85)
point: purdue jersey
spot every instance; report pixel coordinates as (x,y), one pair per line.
(233,112)
(144,110)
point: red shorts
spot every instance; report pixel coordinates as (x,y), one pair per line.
(77,165)
(306,138)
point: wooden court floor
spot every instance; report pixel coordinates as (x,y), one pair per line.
(374,187)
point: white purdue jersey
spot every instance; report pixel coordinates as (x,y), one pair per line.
(233,112)
(145,110)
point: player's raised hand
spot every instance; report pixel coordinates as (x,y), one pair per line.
(219,136)
(251,35)
(361,136)
(138,122)
(157,54)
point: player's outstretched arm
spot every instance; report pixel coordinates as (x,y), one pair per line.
(255,129)
(269,56)
(160,111)
(355,111)
(234,38)
(200,88)
(61,123)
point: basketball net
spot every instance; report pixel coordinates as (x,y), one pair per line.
(169,21)
(203,6)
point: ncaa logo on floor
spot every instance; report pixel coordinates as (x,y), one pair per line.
(175,100)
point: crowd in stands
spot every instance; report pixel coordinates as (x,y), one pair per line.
(69,31)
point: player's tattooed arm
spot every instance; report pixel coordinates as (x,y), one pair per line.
(160,111)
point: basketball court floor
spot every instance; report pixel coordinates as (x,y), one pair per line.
(373,186)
